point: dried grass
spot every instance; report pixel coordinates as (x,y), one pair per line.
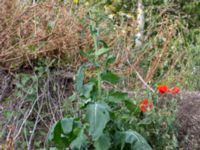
(39,30)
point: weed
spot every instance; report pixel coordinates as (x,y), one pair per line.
(103,118)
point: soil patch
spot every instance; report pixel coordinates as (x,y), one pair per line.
(189,120)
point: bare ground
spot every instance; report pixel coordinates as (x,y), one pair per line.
(189,120)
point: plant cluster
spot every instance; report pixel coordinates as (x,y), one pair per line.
(103,117)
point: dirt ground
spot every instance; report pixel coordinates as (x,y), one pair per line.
(188,117)
(189,120)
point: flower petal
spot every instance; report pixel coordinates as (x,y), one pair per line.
(162,89)
(175,90)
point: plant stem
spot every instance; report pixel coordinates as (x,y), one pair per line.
(99,83)
(95,45)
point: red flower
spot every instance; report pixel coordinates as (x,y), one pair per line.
(162,89)
(174,90)
(145,105)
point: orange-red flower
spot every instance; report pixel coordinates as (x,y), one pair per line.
(145,105)
(162,89)
(174,90)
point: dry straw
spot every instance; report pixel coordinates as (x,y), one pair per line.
(38,30)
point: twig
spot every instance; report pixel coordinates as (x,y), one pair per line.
(34,128)
(140,77)
(25,118)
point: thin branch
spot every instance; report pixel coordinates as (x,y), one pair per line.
(140,77)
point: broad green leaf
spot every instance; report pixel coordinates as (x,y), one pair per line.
(87,89)
(101,51)
(55,136)
(67,125)
(80,141)
(103,143)
(79,78)
(97,116)
(116,96)
(136,140)
(132,107)
(64,132)
(110,77)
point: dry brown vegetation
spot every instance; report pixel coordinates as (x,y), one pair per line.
(39,30)
(49,29)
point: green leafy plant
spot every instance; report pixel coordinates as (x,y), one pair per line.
(104,117)
(97,124)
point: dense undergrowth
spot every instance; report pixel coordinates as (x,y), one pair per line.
(44,43)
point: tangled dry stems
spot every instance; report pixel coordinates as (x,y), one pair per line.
(49,29)
(39,30)
(36,115)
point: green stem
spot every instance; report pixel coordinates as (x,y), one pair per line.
(99,83)
(95,45)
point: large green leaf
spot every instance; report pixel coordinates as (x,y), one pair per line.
(133,138)
(55,136)
(117,96)
(64,132)
(132,106)
(87,89)
(97,116)
(103,143)
(67,125)
(110,77)
(80,141)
